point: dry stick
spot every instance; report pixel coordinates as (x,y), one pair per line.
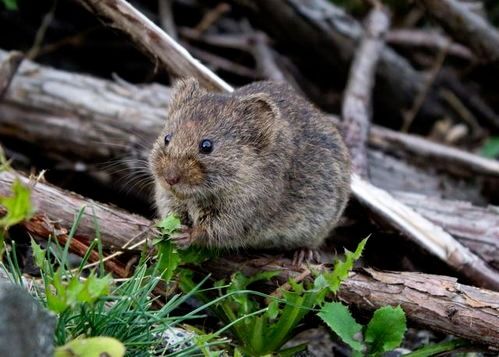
(8,68)
(219,62)
(166,17)
(427,39)
(211,17)
(467,27)
(442,155)
(410,114)
(181,63)
(356,109)
(435,302)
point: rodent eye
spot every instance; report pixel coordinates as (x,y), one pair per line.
(168,138)
(206,146)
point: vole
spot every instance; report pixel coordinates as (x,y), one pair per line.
(260,167)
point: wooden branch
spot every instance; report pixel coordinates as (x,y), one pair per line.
(435,302)
(425,233)
(154,42)
(479,226)
(166,17)
(110,128)
(356,109)
(428,39)
(8,67)
(442,156)
(466,26)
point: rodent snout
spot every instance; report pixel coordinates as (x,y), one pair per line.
(172,178)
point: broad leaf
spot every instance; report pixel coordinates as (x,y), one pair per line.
(386,329)
(18,205)
(91,347)
(339,319)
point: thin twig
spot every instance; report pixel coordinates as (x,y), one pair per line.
(42,30)
(165,9)
(411,114)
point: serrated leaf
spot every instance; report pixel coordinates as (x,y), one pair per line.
(339,319)
(342,268)
(18,205)
(169,224)
(55,303)
(98,287)
(38,254)
(168,259)
(386,329)
(91,347)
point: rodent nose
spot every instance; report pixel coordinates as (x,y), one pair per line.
(172,179)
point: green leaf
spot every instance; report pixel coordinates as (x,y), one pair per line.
(38,254)
(341,269)
(339,319)
(169,224)
(491,148)
(386,329)
(91,347)
(10,4)
(98,287)
(168,259)
(273,309)
(18,205)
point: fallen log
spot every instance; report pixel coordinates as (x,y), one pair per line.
(432,301)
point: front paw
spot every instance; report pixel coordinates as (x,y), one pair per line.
(187,236)
(183,238)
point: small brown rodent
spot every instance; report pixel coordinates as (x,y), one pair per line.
(259,167)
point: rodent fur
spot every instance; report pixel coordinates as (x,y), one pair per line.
(278,176)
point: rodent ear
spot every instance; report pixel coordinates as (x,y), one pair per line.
(185,88)
(262,104)
(264,115)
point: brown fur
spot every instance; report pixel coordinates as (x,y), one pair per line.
(278,176)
